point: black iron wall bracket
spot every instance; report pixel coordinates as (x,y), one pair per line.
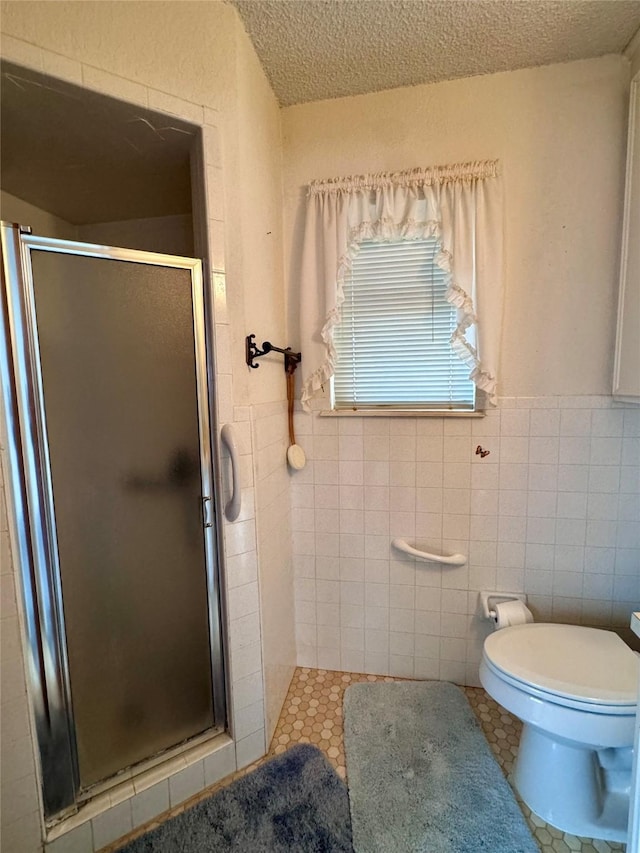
(291,359)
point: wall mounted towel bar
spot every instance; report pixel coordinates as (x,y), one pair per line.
(447,560)
(253,351)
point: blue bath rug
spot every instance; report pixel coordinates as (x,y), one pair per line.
(421,775)
(294,802)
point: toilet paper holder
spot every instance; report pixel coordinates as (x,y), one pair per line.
(488,600)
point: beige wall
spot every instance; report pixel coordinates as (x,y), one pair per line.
(193,60)
(258,207)
(633,54)
(182,48)
(553,510)
(559,134)
(257,201)
(16,210)
(171,235)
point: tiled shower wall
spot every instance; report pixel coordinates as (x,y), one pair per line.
(259,574)
(552,510)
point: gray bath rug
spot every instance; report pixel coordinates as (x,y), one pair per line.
(295,802)
(421,775)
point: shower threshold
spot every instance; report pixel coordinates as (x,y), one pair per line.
(136,779)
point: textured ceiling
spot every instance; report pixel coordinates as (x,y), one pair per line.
(315,49)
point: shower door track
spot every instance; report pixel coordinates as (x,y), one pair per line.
(137,771)
(32,522)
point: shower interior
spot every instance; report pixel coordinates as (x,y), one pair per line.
(110,401)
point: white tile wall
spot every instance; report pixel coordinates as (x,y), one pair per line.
(552,511)
(146,805)
(79,840)
(272,490)
(112,824)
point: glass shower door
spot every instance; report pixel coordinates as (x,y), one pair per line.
(119,383)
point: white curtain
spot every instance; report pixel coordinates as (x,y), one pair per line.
(460,205)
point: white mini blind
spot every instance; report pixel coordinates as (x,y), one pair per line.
(393,344)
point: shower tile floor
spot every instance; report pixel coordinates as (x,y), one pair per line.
(312,713)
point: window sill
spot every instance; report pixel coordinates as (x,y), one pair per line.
(397,413)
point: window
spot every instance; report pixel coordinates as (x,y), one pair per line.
(393,343)
(402,345)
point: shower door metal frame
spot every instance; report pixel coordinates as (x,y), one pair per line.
(33,522)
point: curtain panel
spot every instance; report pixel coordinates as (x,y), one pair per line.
(459,205)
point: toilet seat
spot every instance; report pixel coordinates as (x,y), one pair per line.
(555,699)
(583,668)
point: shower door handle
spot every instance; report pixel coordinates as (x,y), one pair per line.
(206,503)
(232,508)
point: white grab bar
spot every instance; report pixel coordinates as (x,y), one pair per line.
(451,560)
(234,504)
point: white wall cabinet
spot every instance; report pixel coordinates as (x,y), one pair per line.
(626,375)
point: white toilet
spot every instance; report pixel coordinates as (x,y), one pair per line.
(575,690)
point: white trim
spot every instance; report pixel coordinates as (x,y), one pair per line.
(623,394)
(397,413)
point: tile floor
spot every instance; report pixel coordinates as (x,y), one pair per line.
(312,713)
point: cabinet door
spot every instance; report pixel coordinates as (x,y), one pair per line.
(626,377)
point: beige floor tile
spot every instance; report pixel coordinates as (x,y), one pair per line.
(312,713)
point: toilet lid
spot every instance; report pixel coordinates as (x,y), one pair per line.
(588,664)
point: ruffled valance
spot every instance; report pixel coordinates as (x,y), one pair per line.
(460,205)
(457,172)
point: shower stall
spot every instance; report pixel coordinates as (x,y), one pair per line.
(106,384)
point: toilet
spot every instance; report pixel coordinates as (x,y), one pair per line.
(575,690)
